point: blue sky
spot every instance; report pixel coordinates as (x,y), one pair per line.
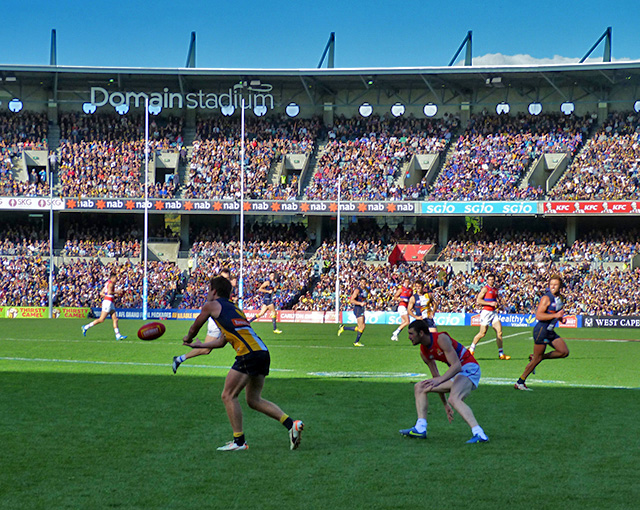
(293,34)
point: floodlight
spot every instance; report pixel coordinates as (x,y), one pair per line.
(122,109)
(260,110)
(503,108)
(535,108)
(365,109)
(567,108)
(89,108)
(15,105)
(292,110)
(398,110)
(155,109)
(227,110)
(636,106)
(430,110)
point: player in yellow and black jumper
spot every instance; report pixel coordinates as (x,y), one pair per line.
(358,299)
(267,290)
(250,368)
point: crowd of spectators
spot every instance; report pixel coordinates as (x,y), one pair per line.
(505,246)
(22,131)
(607,169)
(91,239)
(369,155)
(21,239)
(215,165)
(492,156)
(605,246)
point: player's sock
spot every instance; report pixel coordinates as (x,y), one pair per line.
(500,352)
(90,325)
(252,319)
(286,421)
(421,425)
(520,380)
(477,431)
(396,332)
(358,335)
(238,438)
(117,332)
(181,359)
(274,323)
(349,328)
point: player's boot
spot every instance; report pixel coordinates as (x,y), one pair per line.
(277,331)
(521,386)
(176,363)
(231,446)
(121,337)
(294,434)
(394,337)
(341,329)
(84,330)
(477,438)
(412,432)
(358,344)
(503,356)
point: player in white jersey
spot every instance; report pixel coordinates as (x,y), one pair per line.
(108,294)
(213,333)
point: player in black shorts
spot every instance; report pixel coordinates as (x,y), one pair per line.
(267,289)
(549,313)
(358,299)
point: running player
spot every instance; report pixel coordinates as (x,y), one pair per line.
(358,299)
(422,305)
(213,331)
(403,294)
(488,299)
(462,377)
(108,294)
(267,289)
(250,368)
(549,313)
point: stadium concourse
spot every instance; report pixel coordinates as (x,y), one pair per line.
(517,158)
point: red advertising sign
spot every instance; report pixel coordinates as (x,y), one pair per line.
(586,207)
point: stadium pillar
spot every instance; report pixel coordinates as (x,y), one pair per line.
(603,111)
(184,229)
(572,230)
(443,231)
(327,117)
(465,112)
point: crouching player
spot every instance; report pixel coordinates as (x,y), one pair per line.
(462,376)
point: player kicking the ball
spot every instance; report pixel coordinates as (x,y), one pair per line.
(250,368)
(462,377)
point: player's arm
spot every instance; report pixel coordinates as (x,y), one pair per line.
(434,303)
(480,298)
(541,311)
(263,287)
(353,300)
(444,341)
(435,373)
(210,309)
(410,308)
(398,292)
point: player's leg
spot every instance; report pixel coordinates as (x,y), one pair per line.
(261,312)
(274,316)
(116,330)
(536,358)
(461,387)
(253,393)
(404,321)
(233,385)
(560,350)
(497,326)
(419,430)
(479,336)
(359,330)
(99,320)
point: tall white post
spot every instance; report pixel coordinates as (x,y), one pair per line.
(50,241)
(338,254)
(241,279)
(145,281)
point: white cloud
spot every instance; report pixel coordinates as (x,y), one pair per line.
(498,59)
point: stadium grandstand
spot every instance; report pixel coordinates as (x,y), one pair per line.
(167,175)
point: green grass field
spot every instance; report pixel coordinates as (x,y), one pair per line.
(95,423)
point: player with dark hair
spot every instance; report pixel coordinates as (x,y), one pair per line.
(422,305)
(250,368)
(488,299)
(267,289)
(108,294)
(548,314)
(213,331)
(462,376)
(358,299)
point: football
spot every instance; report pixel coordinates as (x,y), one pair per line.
(151,331)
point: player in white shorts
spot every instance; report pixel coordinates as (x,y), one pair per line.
(213,333)
(488,299)
(108,294)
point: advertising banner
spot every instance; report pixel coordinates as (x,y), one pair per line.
(479,208)
(610,321)
(586,207)
(31,204)
(42,312)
